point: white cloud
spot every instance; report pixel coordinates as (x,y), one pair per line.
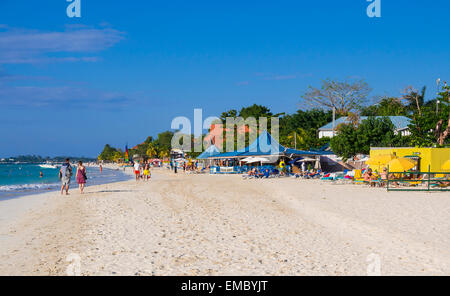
(30,46)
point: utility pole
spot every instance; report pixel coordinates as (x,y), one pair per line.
(295,140)
(437,98)
(334,119)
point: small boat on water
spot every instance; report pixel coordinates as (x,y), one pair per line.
(48,166)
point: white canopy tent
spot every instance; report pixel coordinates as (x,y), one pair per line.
(269,159)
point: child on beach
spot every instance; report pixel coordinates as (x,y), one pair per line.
(81,176)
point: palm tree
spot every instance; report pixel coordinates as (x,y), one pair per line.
(152,152)
(298,138)
(164,153)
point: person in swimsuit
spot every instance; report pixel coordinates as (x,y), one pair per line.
(81,176)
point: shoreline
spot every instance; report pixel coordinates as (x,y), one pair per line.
(52,187)
(202,225)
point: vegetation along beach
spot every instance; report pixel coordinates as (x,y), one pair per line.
(226,140)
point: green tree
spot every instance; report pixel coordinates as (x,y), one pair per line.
(164,141)
(305,125)
(117,156)
(387,106)
(307,120)
(352,139)
(374,132)
(152,151)
(256,111)
(107,153)
(343,144)
(231,113)
(430,126)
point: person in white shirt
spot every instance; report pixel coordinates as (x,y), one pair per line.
(137,170)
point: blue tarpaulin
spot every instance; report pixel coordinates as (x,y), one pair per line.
(209,152)
(264,145)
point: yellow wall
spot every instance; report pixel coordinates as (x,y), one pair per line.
(435,157)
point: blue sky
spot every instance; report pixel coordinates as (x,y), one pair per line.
(124,70)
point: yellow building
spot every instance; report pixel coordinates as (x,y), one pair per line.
(426,157)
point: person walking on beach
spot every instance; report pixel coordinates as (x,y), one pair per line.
(137,170)
(81,176)
(65,173)
(146,171)
(101,168)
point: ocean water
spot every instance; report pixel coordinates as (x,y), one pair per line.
(23,179)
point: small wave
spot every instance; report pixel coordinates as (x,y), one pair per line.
(27,187)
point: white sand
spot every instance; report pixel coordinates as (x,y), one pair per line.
(222,225)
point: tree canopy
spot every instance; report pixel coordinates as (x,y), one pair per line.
(387,106)
(353,139)
(344,96)
(430,122)
(109,153)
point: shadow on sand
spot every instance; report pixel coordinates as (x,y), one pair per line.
(114,191)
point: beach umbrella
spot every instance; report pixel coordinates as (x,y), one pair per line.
(364,159)
(446,166)
(307,159)
(247,159)
(257,159)
(401,164)
(380,159)
(378,162)
(266,160)
(296,160)
(271,159)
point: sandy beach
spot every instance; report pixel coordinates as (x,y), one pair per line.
(223,225)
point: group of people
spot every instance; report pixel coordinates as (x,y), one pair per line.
(142,171)
(186,166)
(66,173)
(375,179)
(257,173)
(310,174)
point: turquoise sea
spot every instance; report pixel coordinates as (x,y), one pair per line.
(22,179)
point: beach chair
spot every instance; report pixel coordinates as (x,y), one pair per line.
(440,181)
(358,179)
(328,177)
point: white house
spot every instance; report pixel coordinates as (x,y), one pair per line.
(400,122)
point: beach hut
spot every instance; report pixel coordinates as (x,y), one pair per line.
(205,157)
(426,158)
(266,148)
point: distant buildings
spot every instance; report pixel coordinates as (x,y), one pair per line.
(400,122)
